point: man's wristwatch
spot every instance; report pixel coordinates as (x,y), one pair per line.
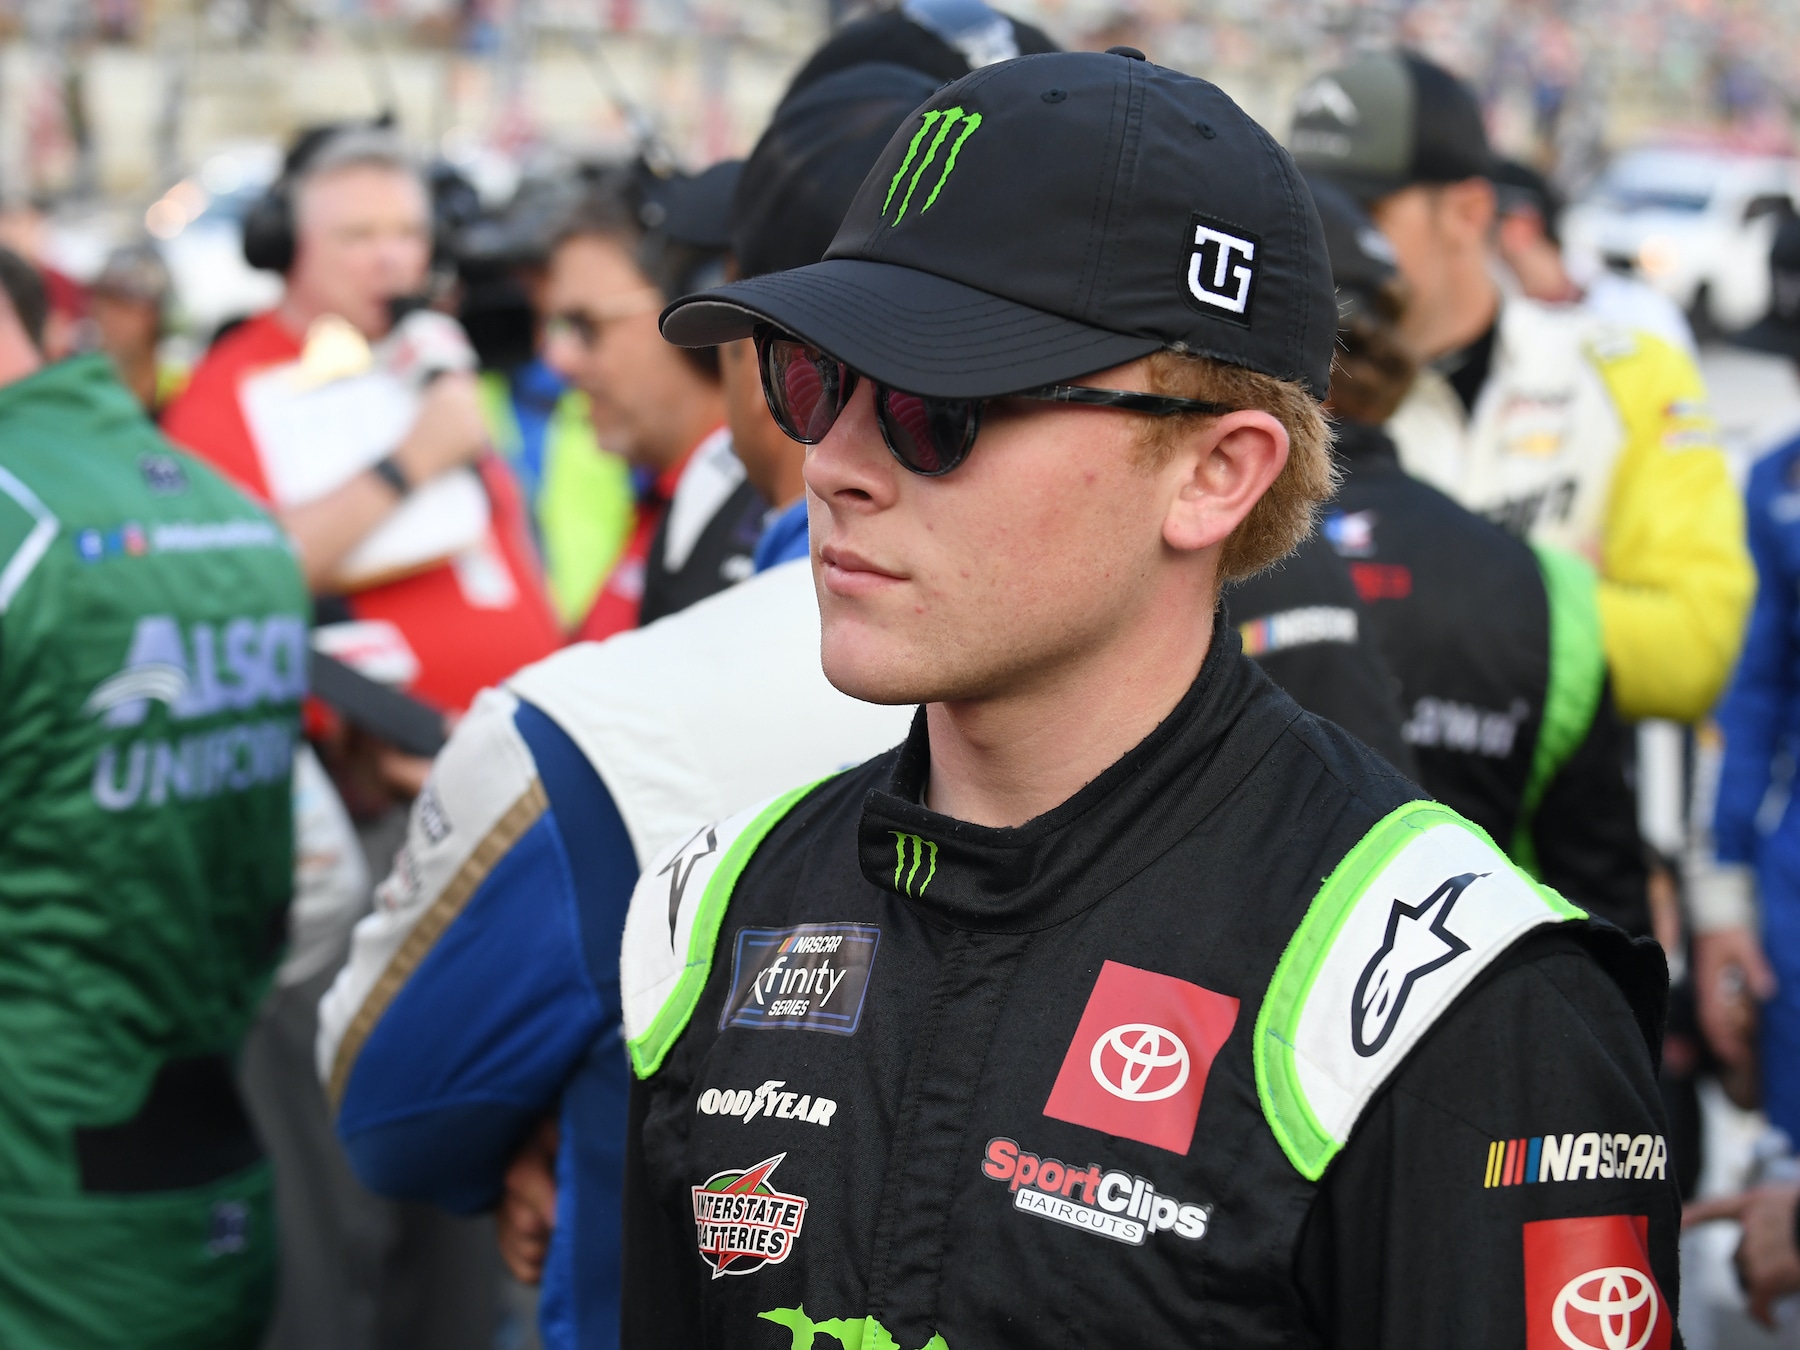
(388,470)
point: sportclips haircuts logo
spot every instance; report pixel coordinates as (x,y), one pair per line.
(1115,1205)
(742,1223)
(932,134)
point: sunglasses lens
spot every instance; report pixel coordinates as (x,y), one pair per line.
(930,436)
(807,389)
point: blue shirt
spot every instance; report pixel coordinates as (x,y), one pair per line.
(1762,709)
(513,1014)
(783,538)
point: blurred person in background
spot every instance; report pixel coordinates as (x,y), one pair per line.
(634,244)
(1496,643)
(349,226)
(1303,622)
(129,304)
(1558,426)
(945,39)
(1526,236)
(1745,891)
(152,662)
(472,1043)
(24,228)
(579,495)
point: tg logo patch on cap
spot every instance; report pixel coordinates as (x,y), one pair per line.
(1221,269)
(1138,1064)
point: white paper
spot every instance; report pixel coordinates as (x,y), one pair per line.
(312,441)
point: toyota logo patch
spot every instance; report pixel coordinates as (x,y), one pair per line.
(1620,1303)
(1140,1063)
(1589,1286)
(1137,1064)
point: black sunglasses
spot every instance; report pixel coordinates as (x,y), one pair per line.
(807,391)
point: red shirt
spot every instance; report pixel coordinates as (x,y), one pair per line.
(464,637)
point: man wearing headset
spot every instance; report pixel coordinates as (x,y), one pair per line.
(349,227)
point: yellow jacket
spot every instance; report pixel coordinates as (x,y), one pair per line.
(1598,439)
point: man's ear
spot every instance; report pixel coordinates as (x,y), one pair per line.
(1222,470)
(1471,207)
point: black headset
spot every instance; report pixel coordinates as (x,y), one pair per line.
(269,223)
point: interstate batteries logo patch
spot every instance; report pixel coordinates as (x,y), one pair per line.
(742,1223)
(812,977)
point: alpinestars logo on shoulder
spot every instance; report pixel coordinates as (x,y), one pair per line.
(743,1223)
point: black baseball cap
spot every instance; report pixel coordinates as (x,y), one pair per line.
(1050,216)
(804,172)
(692,209)
(1389,121)
(1779,330)
(1521,187)
(1362,259)
(944,39)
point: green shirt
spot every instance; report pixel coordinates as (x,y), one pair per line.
(152,662)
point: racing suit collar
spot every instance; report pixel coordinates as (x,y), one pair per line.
(1362,446)
(1046,871)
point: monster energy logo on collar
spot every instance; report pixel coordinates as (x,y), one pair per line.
(944,119)
(920,851)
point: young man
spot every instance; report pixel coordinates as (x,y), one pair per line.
(1125,1003)
(1564,428)
(524,849)
(152,662)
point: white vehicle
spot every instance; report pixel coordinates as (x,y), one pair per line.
(1696,224)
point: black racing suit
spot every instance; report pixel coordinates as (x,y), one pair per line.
(1462,611)
(1305,625)
(908,1082)
(720,557)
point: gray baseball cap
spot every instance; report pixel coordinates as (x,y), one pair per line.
(1386,122)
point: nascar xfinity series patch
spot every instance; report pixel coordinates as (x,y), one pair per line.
(742,1223)
(812,977)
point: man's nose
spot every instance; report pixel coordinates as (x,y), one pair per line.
(563,353)
(852,468)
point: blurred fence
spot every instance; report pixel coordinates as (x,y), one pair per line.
(119,97)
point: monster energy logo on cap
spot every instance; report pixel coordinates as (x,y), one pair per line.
(944,120)
(910,849)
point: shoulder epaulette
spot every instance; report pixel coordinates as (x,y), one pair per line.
(1418,909)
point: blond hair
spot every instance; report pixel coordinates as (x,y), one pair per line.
(1286,513)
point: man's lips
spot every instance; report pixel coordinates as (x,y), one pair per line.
(846,572)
